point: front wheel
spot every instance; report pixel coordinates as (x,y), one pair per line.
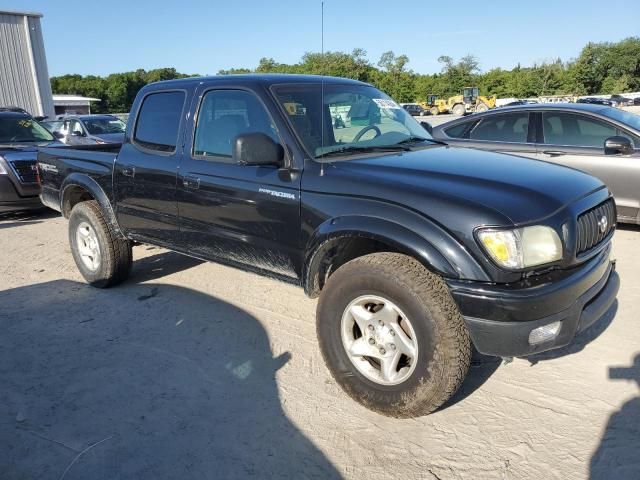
(103,258)
(458,109)
(392,336)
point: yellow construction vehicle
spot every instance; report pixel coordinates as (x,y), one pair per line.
(469,102)
(434,105)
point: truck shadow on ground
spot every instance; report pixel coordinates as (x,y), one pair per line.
(617,456)
(99,384)
(28,217)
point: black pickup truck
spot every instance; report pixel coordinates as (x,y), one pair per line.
(417,250)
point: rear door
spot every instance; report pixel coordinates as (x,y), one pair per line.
(577,140)
(146,168)
(241,214)
(509,132)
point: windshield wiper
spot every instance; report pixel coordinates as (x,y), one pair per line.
(415,139)
(355,150)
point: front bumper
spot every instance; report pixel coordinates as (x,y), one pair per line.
(501,317)
(10,200)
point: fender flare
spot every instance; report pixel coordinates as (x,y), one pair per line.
(328,234)
(95,190)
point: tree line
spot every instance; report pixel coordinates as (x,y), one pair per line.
(600,68)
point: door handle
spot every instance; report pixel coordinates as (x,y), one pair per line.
(554,153)
(129,171)
(190,181)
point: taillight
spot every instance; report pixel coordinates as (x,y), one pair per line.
(36,168)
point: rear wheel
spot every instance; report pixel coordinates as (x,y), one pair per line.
(103,258)
(458,109)
(392,336)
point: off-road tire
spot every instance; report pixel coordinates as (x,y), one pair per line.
(434,110)
(481,107)
(115,251)
(443,341)
(458,109)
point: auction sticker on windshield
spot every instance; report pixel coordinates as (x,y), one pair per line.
(384,103)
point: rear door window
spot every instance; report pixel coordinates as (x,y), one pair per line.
(511,127)
(158,122)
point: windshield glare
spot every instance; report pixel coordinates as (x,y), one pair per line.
(22,128)
(102,126)
(350,116)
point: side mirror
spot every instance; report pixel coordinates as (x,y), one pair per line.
(77,134)
(618,145)
(427,126)
(58,135)
(257,149)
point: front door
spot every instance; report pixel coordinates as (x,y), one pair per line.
(146,168)
(577,141)
(239,214)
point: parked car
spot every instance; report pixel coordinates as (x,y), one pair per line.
(620,101)
(596,101)
(602,141)
(92,129)
(414,109)
(519,102)
(20,135)
(416,250)
(54,126)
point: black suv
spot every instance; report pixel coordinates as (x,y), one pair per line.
(20,135)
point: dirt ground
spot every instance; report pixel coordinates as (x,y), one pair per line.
(194,370)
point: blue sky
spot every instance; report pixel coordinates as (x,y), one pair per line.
(205,36)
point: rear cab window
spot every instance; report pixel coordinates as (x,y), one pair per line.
(158,123)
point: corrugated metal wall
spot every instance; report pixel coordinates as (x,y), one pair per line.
(24,78)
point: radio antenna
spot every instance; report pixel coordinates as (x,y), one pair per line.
(322,84)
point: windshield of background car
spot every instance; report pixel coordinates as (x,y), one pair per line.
(102,126)
(18,128)
(334,117)
(627,118)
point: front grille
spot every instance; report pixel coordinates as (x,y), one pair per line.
(590,225)
(25,170)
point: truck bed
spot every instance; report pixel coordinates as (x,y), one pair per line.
(57,165)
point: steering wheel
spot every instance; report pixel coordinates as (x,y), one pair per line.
(365,130)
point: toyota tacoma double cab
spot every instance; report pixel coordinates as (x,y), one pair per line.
(416,250)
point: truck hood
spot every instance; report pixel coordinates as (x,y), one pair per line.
(521,189)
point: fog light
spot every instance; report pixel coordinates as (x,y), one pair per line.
(544,333)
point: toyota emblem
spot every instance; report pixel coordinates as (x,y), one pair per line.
(603,223)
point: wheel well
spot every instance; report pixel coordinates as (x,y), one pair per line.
(72,196)
(335,253)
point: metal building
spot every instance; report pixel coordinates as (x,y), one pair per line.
(24,78)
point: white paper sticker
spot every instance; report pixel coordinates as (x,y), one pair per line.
(384,103)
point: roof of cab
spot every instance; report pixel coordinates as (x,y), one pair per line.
(267,79)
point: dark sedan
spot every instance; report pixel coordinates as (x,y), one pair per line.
(600,140)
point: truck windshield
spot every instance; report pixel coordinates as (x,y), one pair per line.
(20,128)
(102,126)
(347,119)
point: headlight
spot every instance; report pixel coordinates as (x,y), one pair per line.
(522,247)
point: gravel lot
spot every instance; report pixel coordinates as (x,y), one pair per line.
(194,370)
